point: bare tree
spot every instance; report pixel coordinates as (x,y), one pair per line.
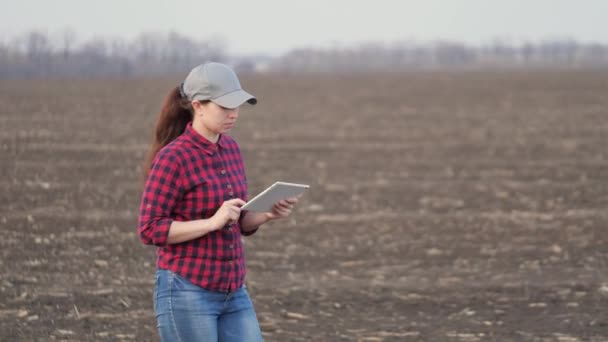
(68,41)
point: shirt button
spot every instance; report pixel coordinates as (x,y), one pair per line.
(231,193)
(223,172)
(231,246)
(229,186)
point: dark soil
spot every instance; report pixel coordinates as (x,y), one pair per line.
(443,207)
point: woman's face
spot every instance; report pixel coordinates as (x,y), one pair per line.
(215,118)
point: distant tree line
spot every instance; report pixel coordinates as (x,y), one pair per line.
(37,54)
(448,55)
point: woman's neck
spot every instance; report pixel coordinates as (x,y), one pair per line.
(205,132)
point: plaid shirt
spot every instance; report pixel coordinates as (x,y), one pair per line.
(189,180)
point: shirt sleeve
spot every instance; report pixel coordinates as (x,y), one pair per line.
(162,190)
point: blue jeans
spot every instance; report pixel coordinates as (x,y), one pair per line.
(186,312)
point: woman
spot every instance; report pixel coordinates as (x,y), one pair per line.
(190,209)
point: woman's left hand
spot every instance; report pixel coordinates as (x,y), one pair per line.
(282,208)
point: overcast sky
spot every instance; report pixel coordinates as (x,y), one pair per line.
(275,26)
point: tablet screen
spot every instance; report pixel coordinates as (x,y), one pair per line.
(264,201)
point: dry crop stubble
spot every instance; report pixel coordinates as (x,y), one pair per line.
(443,206)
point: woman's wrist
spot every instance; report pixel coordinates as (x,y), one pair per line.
(211,224)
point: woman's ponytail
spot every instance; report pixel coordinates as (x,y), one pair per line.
(174,116)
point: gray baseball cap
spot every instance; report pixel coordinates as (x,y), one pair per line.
(215,82)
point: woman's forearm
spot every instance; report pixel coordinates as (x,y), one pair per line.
(252,220)
(190,230)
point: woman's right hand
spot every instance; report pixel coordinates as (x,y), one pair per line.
(229,211)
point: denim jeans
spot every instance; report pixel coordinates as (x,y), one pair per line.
(186,312)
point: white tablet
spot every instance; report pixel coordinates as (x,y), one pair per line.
(264,201)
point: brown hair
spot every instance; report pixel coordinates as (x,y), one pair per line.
(174,116)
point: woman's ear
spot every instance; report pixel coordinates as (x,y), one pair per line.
(195,105)
(198,107)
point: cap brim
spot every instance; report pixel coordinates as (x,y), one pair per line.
(235,99)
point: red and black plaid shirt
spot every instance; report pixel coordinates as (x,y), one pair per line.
(189,179)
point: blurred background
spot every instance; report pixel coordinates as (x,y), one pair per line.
(137,38)
(456,153)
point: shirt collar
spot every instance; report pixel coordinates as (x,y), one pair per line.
(203,142)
